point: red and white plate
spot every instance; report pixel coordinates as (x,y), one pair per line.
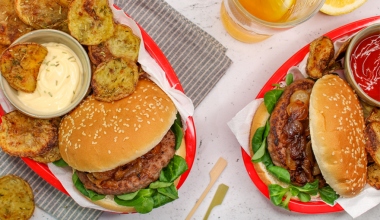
(297,206)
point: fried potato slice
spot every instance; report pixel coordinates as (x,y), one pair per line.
(372,132)
(65,2)
(16,198)
(373,175)
(374,115)
(90,21)
(41,14)
(114,79)
(11,27)
(99,53)
(124,43)
(2,48)
(52,155)
(321,52)
(20,64)
(24,136)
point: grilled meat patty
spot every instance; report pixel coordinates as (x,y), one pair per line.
(289,137)
(135,175)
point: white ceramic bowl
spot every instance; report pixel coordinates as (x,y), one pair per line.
(370,30)
(46,36)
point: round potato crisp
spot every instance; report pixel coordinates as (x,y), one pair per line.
(16,198)
(114,79)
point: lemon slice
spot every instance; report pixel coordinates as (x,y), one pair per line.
(339,7)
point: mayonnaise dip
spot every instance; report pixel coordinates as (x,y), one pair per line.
(58,80)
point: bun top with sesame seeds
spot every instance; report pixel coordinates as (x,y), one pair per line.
(337,135)
(99,136)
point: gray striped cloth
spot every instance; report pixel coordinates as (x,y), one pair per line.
(198,60)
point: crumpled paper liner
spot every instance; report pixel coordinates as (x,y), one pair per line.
(183,103)
(240,125)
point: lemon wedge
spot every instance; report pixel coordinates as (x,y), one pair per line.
(339,7)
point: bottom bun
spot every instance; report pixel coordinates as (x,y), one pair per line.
(259,120)
(109,203)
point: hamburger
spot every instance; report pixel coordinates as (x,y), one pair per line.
(126,155)
(310,138)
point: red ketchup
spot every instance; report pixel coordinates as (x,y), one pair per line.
(365,65)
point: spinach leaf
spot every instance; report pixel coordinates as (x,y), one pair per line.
(158,184)
(257,139)
(304,197)
(145,206)
(260,152)
(289,79)
(89,193)
(128,196)
(174,169)
(169,191)
(277,193)
(328,195)
(281,173)
(60,163)
(271,97)
(177,129)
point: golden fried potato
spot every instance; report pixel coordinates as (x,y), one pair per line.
(41,14)
(372,132)
(2,48)
(114,79)
(99,53)
(90,21)
(124,43)
(24,136)
(16,198)
(52,155)
(65,2)
(321,52)
(11,27)
(373,175)
(374,115)
(20,64)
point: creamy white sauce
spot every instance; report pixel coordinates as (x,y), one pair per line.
(58,80)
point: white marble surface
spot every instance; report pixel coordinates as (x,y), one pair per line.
(253,65)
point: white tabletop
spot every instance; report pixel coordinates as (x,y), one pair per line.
(253,64)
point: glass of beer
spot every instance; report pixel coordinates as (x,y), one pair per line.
(252,21)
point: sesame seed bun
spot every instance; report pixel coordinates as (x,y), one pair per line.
(99,136)
(337,135)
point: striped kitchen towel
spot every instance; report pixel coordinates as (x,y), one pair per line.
(197,58)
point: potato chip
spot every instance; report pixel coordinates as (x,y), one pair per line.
(99,53)
(20,64)
(124,43)
(16,198)
(11,27)
(24,136)
(41,14)
(321,53)
(373,175)
(90,21)
(114,79)
(52,155)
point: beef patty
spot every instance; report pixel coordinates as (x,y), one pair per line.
(135,175)
(289,137)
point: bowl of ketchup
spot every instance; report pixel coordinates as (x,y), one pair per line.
(362,64)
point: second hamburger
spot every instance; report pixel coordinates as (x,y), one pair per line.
(313,141)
